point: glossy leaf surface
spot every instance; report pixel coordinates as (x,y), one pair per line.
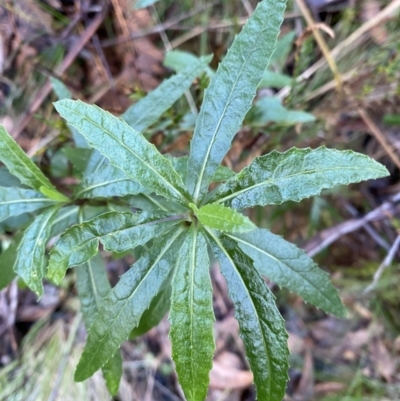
(192,317)
(30,262)
(149,109)
(106,182)
(262,328)
(294,175)
(118,232)
(290,267)
(15,201)
(23,167)
(126,148)
(123,307)
(230,94)
(92,285)
(223,219)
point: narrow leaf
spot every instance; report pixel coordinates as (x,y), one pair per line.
(231,93)
(106,182)
(290,267)
(21,165)
(295,174)
(270,109)
(157,310)
(30,262)
(7,261)
(180,164)
(113,372)
(123,307)
(261,325)
(192,317)
(118,232)
(63,92)
(179,60)
(92,285)
(144,3)
(15,201)
(149,109)
(223,218)
(126,148)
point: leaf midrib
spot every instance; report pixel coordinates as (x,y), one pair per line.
(149,270)
(34,200)
(101,184)
(216,239)
(275,180)
(191,303)
(148,166)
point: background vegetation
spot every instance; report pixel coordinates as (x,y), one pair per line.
(334,81)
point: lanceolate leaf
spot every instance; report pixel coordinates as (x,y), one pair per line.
(7,261)
(15,201)
(126,148)
(180,164)
(157,310)
(149,109)
(22,166)
(93,285)
(106,182)
(231,93)
(290,267)
(223,218)
(295,174)
(63,92)
(192,317)
(30,263)
(123,307)
(118,232)
(261,325)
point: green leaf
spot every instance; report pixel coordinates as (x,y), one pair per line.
(144,3)
(290,267)
(79,158)
(123,307)
(192,317)
(149,109)
(7,261)
(272,79)
(126,148)
(262,328)
(107,182)
(223,218)
(21,165)
(269,109)
(92,285)
(179,60)
(15,201)
(157,310)
(295,174)
(63,92)
(113,372)
(231,93)
(30,263)
(180,164)
(118,232)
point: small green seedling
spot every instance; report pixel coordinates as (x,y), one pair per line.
(178,221)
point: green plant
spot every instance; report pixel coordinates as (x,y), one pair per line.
(178,220)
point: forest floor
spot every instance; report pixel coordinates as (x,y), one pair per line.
(344,96)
